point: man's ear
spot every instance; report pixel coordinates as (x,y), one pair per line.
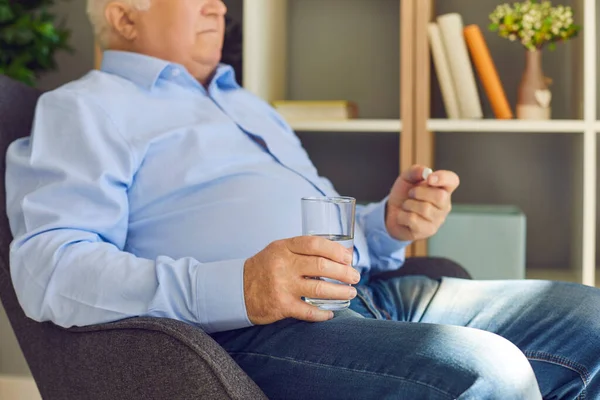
(122,19)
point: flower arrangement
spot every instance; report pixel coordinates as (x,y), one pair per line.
(535,24)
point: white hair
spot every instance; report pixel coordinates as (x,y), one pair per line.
(95,11)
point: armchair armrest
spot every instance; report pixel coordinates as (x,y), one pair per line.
(432,267)
(144,358)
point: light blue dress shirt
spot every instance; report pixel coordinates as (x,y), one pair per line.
(141,193)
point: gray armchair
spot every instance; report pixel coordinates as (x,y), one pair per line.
(137,358)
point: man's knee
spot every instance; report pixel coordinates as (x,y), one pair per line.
(499,369)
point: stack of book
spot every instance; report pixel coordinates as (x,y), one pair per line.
(455,50)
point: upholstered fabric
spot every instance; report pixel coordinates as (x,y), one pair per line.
(432,267)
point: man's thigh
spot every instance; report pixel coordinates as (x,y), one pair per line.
(551,322)
(534,315)
(351,357)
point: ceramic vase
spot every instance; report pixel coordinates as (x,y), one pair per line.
(534,97)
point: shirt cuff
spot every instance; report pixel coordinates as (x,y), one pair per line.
(221,301)
(381,244)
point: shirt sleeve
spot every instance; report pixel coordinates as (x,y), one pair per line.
(386,253)
(67,204)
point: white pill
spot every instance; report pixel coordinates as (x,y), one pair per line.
(426,173)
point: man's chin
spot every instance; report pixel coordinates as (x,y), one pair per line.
(210,59)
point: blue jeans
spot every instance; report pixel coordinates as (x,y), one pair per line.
(417,338)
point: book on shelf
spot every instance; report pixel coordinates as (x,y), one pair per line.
(442,68)
(461,69)
(486,70)
(457,52)
(307,110)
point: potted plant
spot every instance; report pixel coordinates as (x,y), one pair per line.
(29,39)
(535,25)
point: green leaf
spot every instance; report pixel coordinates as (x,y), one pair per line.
(22,36)
(493,27)
(24,75)
(6,13)
(46,29)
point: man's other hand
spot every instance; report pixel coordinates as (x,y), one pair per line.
(276,278)
(416,207)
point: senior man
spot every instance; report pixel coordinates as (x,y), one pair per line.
(156,186)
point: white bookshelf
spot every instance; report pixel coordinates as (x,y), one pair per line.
(265,50)
(266,73)
(590,162)
(483,126)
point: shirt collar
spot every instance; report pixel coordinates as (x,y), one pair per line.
(141,69)
(225,77)
(145,70)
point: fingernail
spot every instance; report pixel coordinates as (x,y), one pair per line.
(331,315)
(411,193)
(352,293)
(434,179)
(356,276)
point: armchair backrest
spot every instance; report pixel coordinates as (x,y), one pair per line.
(17,106)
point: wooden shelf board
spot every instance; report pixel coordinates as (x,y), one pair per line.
(354,125)
(493,125)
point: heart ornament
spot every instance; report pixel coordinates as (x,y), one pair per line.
(543,97)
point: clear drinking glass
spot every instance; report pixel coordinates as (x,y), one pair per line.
(333,219)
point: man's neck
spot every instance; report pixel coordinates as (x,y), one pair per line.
(202,73)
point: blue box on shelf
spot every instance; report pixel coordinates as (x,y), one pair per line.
(487,240)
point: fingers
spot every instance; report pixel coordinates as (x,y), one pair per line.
(320,289)
(305,312)
(447,180)
(425,210)
(322,267)
(437,197)
(414,174)
(320,247)
(418,226)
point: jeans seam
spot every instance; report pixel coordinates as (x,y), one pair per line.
(312,363)
(389,295)
(370,305)
(383,314)
(580,369)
